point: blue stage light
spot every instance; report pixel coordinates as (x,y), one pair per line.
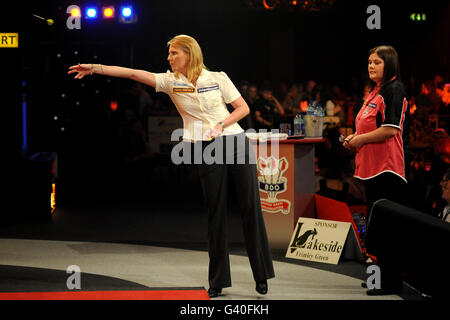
(91,13)
(127,12)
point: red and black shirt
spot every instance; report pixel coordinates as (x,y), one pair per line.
(385,107)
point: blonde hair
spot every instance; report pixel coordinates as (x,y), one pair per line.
(191,47)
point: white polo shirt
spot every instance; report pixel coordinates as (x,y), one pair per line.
(201,106)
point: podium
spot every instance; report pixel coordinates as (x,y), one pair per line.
(286,176)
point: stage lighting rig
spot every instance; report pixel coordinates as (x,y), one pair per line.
(123,14)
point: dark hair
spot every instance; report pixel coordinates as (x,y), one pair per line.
(391,64)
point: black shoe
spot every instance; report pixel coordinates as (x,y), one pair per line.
(214,292)
(364,285)
(261,287)
(382,292)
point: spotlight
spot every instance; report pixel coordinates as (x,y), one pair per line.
(108,12)
(126,12)
(91,13)
(75,13)
(127,15)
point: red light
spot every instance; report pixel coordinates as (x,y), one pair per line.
(113,106)
(303,105)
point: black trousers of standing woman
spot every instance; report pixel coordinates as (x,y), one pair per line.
(233,171)
(385,186)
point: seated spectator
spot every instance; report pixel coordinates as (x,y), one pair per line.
(281,91)
(440,162)
(267,110)
(445,213)
(252,96)
(334,161)
(243,88)
(291,103)
(310,84)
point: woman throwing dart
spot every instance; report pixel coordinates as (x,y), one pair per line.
(200,97)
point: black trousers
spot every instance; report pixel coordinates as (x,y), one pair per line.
(385,186)
(233,170)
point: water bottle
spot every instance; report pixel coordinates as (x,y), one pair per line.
(310,109)
(298,125)
(315,109)
(319,110)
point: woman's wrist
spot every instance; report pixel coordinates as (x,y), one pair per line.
(222,125)
(96,68)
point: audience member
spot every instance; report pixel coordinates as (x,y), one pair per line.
(310,84)
(291,102)
(281,90)
(323,96)
(334,162)
(243,88)
(252,95)
(445,213)
(267,110)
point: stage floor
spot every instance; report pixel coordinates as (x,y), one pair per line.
(161,246)
(162,267)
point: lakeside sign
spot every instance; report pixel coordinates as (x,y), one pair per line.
(318,240)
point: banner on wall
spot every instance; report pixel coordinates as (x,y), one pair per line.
(318,240)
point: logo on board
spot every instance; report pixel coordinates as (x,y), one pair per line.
(272,182)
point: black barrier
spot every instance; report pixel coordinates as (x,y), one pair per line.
(415,243)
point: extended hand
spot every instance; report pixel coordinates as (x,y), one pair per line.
(82,69)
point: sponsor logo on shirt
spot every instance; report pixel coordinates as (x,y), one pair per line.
(372,105)
(183,89)
(180,84)
(205,89)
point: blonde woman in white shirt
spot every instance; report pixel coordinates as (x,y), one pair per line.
(200,97)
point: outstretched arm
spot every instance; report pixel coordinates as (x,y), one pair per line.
(142,76)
